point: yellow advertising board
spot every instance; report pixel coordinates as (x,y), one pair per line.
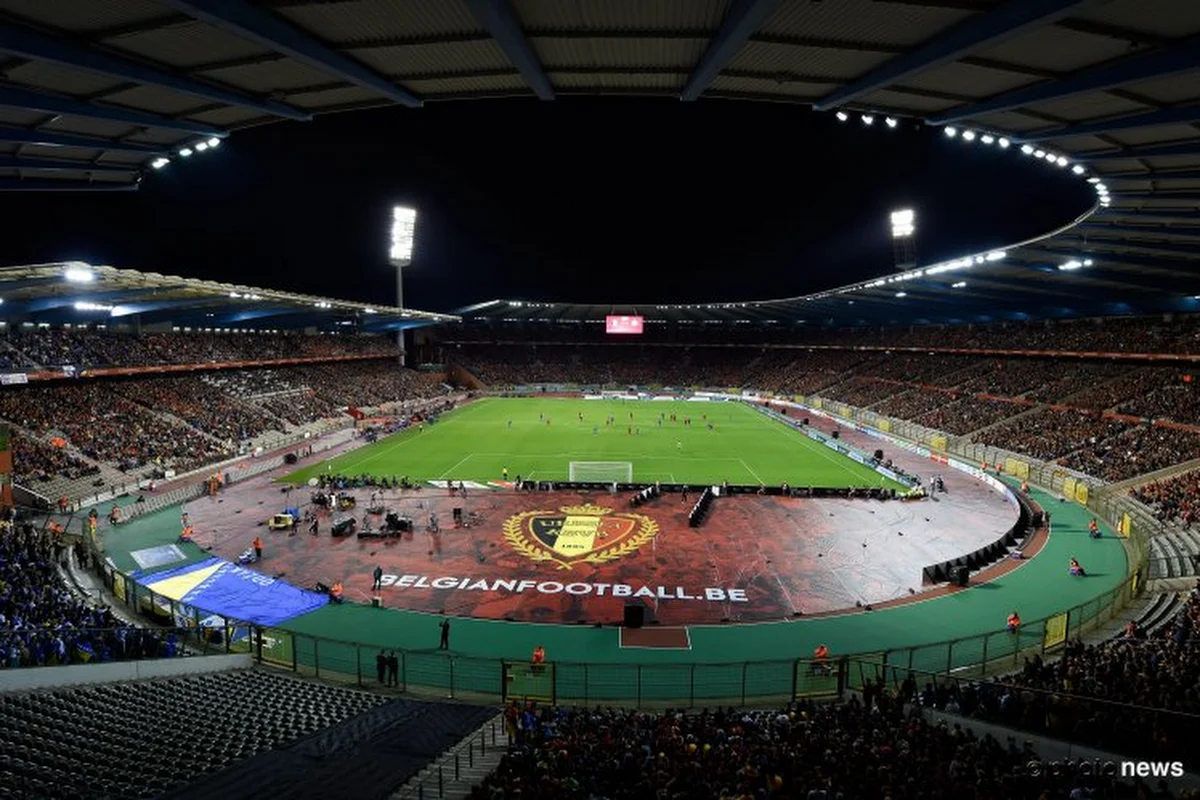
(799,398)
(817,402)
(1056,630)
(1016,468)
(938,442)
(885,425)
(1124,526)
(1068,489)
(1081,493)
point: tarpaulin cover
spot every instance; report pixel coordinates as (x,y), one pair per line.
(234,592)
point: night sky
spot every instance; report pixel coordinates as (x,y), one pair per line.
(579,199)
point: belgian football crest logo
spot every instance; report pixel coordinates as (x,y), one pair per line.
(586,534)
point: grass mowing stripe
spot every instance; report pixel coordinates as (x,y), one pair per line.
(541,436)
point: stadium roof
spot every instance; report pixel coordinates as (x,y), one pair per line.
(78,293)
(92,93)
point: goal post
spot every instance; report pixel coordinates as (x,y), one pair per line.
(600,471)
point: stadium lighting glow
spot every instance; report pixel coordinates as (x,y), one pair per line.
(904,223)
(868,119)
(958,285)
(842,116)
(996,255)
(1071,265)
(950,131)
(201,147)
(891,122)
(1093,179)
(160,162)
(901,294)
(404,227)
(1026,149)
(1087,262)
(987,138)
(1062,161)
(1004,143)
(185,152)
(1039,153)
(968,136)
(1100,187)
(83,305)
(214,142)
(79,273)
(1077,169)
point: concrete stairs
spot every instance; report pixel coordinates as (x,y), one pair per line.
(460,768)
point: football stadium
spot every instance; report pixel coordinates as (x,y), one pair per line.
(870,471)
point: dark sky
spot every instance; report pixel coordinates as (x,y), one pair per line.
(578,199)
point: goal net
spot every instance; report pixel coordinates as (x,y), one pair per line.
(601,471)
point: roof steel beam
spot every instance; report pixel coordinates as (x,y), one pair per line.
(47,139)
(35,185)
(1133,219)
(498,17)
(30,44)
(48,165)
(1166,116)
(272,31)
(1156,176)
(1145,151)
(14,97)
(1127,231)
(1180,57)
(62,301)
(131,309)
(1118,245)
(989,28)
(1187,196)
(741,21)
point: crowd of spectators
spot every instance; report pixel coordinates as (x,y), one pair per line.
(862,392)
(106,426)
(94,347)
(969,414)
(876,748)
(1142,449)
(1177,398)
(42,623)
(1180,334)
(203,406)
(1175,499)
(1133,674)
(36,461)
(146,426)
(914,403)
(1048,434)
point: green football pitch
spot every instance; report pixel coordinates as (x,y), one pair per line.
(538,438)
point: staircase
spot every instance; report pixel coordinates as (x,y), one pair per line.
(460,768)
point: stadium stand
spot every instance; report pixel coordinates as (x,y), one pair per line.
(145,738)
(1175,499)
(851,749)
(1145,669)
(44,623)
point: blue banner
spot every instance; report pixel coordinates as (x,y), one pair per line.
(234,592)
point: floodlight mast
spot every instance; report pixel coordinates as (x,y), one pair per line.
(404,229)
(904,238)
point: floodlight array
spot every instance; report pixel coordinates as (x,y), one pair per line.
(904,223)
(404,229)
(187,151)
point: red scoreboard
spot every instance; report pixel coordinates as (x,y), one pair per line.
(621,324)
